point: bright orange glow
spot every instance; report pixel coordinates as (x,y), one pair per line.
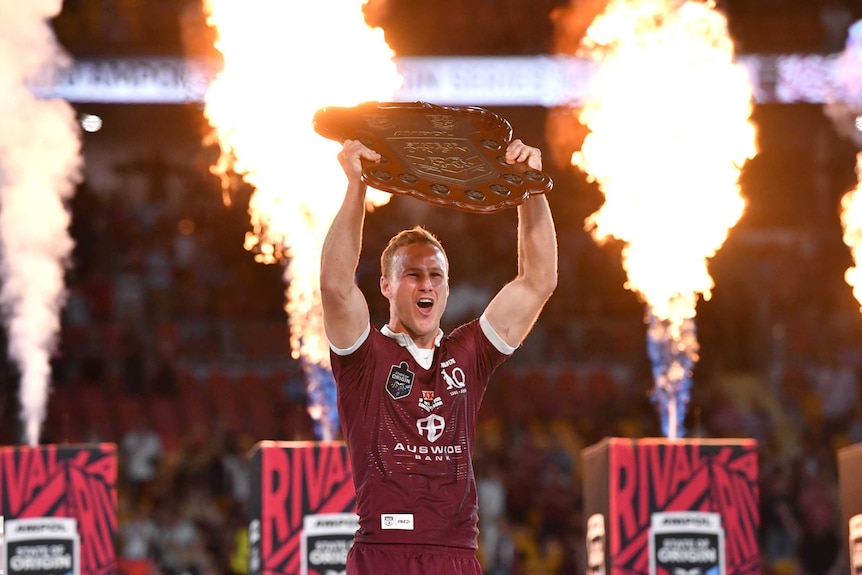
(851,222)
(282,62)
(668,116)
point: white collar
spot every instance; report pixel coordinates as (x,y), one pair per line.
(423,357)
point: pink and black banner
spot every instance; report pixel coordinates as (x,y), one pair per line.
(302,508)
(78,483)
(850,496)
(658,506)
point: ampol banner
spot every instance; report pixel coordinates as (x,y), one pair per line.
(42,546)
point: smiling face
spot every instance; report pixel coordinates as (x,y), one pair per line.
(417,287)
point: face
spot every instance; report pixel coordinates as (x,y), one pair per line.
(417,290)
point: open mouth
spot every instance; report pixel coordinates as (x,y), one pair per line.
(425,303)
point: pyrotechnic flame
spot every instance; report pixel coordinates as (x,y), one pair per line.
(668,114)
(39,165)
(848,72)
(282,62)
(851,221)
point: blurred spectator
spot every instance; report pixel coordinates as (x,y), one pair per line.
(491,488)
(836,385)
(817,533)
(500,554)
(160,280)
(238,546)
(137,537)
(163,380)
(777,515)
(134,361)
(236,469)
(181,549)
(141,454)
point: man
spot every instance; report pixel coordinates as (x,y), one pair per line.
(408,395)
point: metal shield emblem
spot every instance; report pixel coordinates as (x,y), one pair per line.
(452,156)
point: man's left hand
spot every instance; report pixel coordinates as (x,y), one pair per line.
(518,151)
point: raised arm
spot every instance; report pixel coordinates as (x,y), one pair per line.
(345,311)
(514,310)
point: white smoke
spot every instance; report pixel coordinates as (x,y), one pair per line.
(40,163)
(844,107)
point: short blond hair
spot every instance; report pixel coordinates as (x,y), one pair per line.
(415,235)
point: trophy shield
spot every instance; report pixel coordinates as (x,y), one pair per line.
(450,156)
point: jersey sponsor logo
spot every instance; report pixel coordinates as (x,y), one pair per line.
(431,427)
(402,521)
(456,381)
(428,402)
(429,452)
(400,381)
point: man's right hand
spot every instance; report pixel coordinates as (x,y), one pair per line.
(350,158)
(345,313)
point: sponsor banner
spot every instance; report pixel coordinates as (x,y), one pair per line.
(42,546)
(686,543)
(132,81)
(633,483)
(850,497)
(855,529)
(541,80)
(596,544)
(78,482)
(293,481)
(326,539)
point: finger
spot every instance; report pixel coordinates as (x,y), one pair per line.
(513,151)
(356,149)
(520,152)
(535,159)
(369,154)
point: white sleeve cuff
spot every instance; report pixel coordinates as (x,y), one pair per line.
(495,339)
(355,346)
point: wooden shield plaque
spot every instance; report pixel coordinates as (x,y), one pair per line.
(452,156)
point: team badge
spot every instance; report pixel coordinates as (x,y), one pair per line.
(400,381)
(456,383)
(428,402)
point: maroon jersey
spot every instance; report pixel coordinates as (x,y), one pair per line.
(409,432)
